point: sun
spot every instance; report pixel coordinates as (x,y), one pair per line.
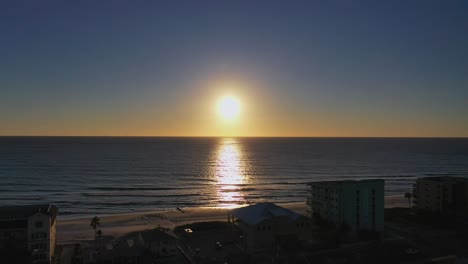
(229,107)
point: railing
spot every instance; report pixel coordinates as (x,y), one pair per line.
(186,252)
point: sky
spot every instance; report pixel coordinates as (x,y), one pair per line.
(298,68)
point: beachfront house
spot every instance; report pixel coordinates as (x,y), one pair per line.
(358,205)
(444,195)
(142,246)
(30,229)
(265,224)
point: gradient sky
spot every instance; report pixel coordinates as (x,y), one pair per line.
(299,68)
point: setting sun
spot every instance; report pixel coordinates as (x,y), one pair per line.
(229,107)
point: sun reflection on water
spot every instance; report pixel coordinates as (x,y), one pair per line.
(230,174)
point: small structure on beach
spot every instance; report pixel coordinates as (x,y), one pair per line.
(29,229)
(358,205)
(265,225)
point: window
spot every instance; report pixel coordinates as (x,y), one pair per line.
(38,235)
(39,246)
(38,224)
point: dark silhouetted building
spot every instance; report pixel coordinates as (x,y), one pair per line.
(30,229)
(446,195)
(357,204)
(265,224)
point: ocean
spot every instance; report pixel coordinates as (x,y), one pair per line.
(87,176)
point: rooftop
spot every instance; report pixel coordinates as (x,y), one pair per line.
(444,178)
(158,235)
(254,214)
(344,182)
(24,211)
(147,236)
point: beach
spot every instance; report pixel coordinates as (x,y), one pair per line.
(74,230)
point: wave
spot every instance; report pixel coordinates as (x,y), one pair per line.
(440,174)
(21,198)
(137,188)
(131,203)
(139,195)
(48,191)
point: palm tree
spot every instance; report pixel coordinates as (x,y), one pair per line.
(95,223)
(98,243)
(99,233)
(409,196)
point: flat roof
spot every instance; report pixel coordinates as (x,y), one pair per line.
(337,182)
(444,178)
(25,211)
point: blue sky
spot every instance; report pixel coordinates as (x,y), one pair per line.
(300,68)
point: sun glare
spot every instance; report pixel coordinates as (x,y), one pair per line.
(229,107)
(230,174)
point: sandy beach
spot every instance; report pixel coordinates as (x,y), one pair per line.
(73,230)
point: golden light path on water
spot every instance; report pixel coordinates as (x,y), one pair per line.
(230,174)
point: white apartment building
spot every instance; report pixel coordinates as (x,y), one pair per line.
(358,204)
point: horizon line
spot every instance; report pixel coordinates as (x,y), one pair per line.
(123,136)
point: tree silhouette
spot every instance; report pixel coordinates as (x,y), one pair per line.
(409,196)
(99,233)
(95,223)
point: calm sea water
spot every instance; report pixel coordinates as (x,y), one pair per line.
(95,175)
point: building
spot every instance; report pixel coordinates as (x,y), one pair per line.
(161,242)
(29,229)
(356,204)
(441,194)
(143,246)
(265,224)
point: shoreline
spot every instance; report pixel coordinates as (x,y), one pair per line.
(390,200)
(71,217)
(71,231)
